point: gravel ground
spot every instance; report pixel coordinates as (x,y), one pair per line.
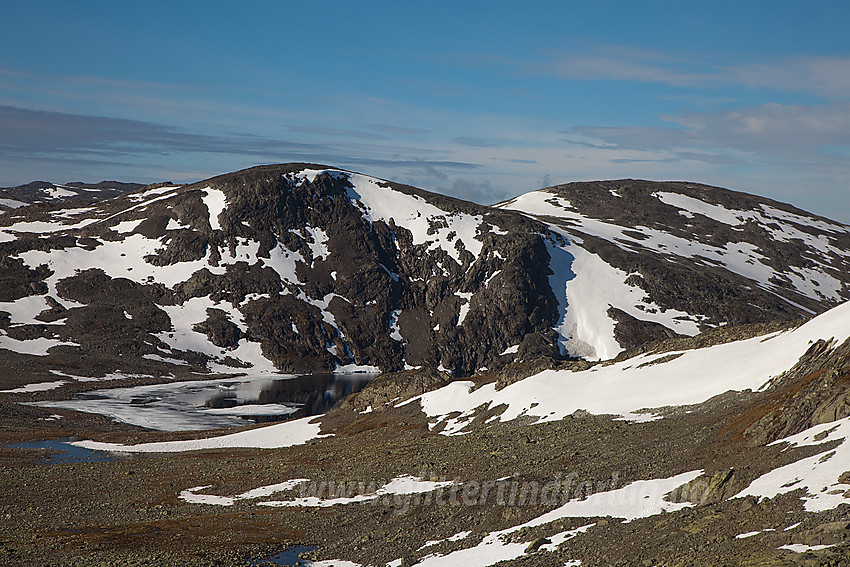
(127,511)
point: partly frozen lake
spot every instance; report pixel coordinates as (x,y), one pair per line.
(209,404)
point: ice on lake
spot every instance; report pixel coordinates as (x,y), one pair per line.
(210,404)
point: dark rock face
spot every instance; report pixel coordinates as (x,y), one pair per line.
(816,390)
(631,332)
(301,265)
(219,329)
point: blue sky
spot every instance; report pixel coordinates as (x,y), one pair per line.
(482,100)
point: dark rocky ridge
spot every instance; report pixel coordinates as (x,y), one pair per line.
(46,192)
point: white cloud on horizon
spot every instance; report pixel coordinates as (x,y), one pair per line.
(796,134)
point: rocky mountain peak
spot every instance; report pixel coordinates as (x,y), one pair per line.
(292,267)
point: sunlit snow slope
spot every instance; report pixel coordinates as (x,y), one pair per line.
(633,387)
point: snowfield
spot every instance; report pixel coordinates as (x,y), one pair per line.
(817,475)
(585,287)
(286,434)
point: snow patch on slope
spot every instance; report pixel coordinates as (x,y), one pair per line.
(319,244)
(216,202)
(191,494)
(46,227)
(35,387)
(11,203)
(283,261)
(816,475)
(647,381)
(38,346)
(118,259)
(586,287)
(464,308)
(405,484)
(286,434)
(184,337)
(692,205)
(24,310)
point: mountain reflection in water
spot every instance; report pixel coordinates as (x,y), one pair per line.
(226,402)
(313,393)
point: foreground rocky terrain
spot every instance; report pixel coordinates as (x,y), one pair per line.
(614,373)
(753,476)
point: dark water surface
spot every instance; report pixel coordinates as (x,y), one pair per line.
(208,404)
(311,394)
(60,451)
(288,557)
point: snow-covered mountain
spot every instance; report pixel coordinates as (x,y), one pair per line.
(301,267)
(639,259)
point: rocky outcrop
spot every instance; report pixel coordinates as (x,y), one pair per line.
(816,390)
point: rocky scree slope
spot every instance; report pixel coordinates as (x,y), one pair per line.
(742,459)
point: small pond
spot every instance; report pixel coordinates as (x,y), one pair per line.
(289,557)
(60,452)
(208,404)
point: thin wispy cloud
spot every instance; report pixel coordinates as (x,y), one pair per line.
(42,132)
(819,75)
(392,129)
(105,141)
(475,142)
(794,133)
(336,132)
